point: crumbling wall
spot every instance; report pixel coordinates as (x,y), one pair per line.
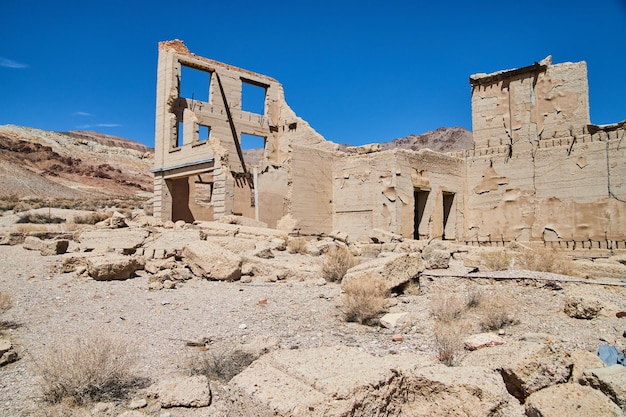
(539,170)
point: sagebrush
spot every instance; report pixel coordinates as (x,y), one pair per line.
(447,307)
(336,263)
(497,260)
(37,218)
(497,310)
(89,369)
(91,218)
(544,260)
(221,365)
(449,341)
(364,298)
(297,245)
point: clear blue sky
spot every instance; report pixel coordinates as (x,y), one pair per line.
(357,71)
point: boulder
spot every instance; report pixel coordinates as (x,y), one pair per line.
(570,400)
(112,266)
(481,340)
(610,380)
(436,259)
(182,391)
(584,360)
(582,307)
(395,270)
(171,241)
(394,320)
(382,236)
(343,381)
(212,261)
(46,247)
(526,367)
(103,240)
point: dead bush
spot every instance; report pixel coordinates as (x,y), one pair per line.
(473,298)
(496,260)
(545,260)
(447,307)
(221,365)
(449,341)
(91,218)
(336,263)
(297,245)
(90,369)
(37,218)
(364,299)
(497,310)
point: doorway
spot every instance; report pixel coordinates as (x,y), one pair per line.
(420,197)
(448,203)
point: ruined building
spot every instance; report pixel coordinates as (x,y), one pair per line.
(539,170)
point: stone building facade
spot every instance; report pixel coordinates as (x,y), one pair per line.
(539,170)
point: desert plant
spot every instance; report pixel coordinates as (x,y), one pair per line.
(449,341)
(90,369)
(297,245)
(91,218)
(544,260)
(496,260)
(222,365)
(447,307)
(473,298)
(36,218)
(336,263)
(364,298)
(497,311)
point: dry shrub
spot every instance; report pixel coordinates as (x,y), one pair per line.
(36,218)
(545,260)
(449,341)
(91,218)
(364,298)
(496,260)
(90,369)
(297,245)
(336,263)
(473,298)
(447,307)
(221,365)
(497,310)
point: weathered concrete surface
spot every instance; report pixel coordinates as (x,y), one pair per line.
(212,261)
(570,400)
(112,266)
(395,269)
(104,240)
(342,381)
(610,380)
(46,247)
(182,391)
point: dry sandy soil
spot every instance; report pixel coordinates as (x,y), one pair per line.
(52,308)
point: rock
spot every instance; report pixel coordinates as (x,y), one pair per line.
(397,337)
(172,241)
(7,354)
(212,261)
(481,340)
(610,380)
(265,253)
(106,240)
(570,400)
(131,413)
(582,307)
(179,224)
(394,320)
(46,247)
(344,381)
(395,269)
(436,259)
(526,367)
(72,263)
(113,266)
(182,391)
(5,345)
(382,236)
(139,403)
(339,235)
(169,285)
(584,360)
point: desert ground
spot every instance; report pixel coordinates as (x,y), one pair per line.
(178,322)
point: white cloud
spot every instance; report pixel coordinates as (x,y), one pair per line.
(9,63)
(82,113)
(98,125)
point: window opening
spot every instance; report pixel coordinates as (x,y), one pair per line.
(194,84)
(253,97)
(252,141)
(178,140)
(203,133)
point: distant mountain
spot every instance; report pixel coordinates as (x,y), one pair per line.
(42,164)
(444,139)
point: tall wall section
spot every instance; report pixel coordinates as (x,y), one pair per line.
(540,171)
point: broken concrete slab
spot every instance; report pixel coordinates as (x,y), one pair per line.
(110,266)
(482,340)
(610,380)
(212,261)
(570,400)
(106,240)
(395,269)
(182,391)
(46,247)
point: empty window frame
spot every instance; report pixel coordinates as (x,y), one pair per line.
(194,84)
(252,141)
(177,140)
(253,96)
(203,133)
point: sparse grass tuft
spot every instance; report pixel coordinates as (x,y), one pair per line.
(497,311)
(496,260)
(447,307)
(545,260)
(364,299)
(91,369)
(449,341)
(473,298)
(297,245)
(221,365)
(336,263)
(91,218)
(36,218)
